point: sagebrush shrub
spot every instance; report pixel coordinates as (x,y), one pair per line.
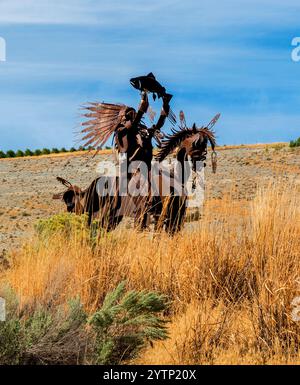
(67,224)
(60,334)
(126,322)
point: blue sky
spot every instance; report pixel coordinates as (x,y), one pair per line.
(229,56)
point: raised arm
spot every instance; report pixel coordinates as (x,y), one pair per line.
(163,113)
(143,107)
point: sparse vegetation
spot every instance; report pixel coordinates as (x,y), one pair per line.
(10,154)
(19,153)
(28,152)
(295,143)
(66,224)
(38,152)
(278,146)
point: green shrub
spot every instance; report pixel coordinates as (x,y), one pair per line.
(55,150)
(63,150)
(66,224)
(10,154)
(295,143)
(51,334)
(73,149)
(125,323)
(2,154)
(11,344)
(81,148)
(70,225)
(55,335)
(19,154)
(37,152)
(45,151)
(278,146)
(28,152)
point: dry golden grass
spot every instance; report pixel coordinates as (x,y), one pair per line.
(231,279)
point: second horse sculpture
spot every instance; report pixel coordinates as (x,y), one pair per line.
(191,148)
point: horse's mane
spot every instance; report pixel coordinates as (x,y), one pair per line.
(172,141)
(209,134)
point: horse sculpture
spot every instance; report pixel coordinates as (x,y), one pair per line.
(191,145)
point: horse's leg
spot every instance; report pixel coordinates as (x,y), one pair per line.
(156,211)
(175,214)
(115,216)
(142,213)
(141,220)
(144,221)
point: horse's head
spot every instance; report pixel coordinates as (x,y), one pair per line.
(72,196)
(191,143)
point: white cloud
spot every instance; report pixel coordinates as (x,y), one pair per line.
(44,12)
(74,11)
(167,13)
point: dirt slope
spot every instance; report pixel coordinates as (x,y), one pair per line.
(27,184)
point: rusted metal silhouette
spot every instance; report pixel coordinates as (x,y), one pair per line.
(131,137)
(190,144)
